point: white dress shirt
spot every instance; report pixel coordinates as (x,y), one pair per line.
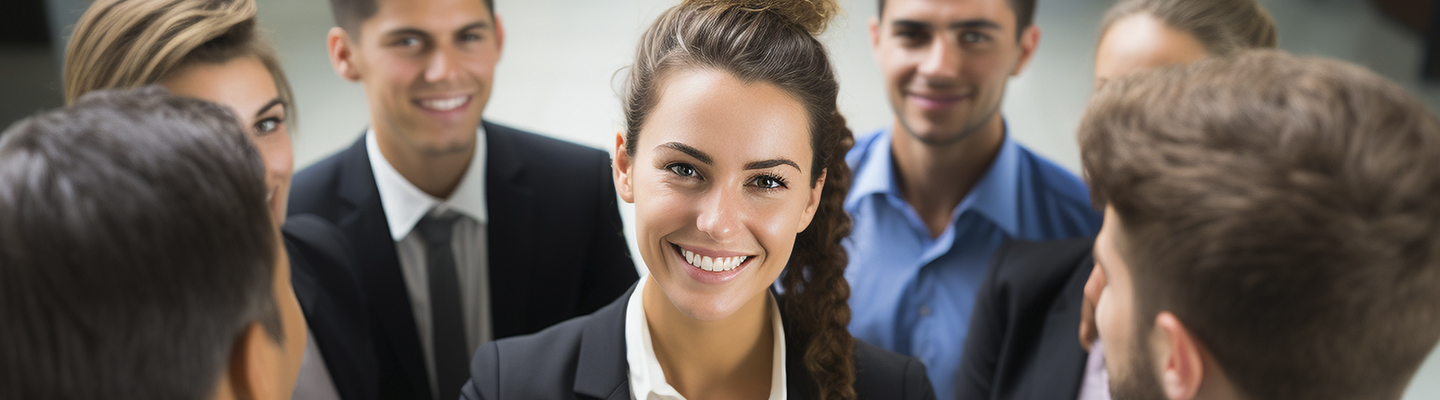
(404,206)
(647,379)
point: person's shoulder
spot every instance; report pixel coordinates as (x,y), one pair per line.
(537,145)
(863,142)
(882,374)
(1052,179)
(314,188)
(538,365)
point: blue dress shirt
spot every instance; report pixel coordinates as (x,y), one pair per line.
(912,294)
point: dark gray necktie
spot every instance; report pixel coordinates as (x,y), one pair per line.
(447,321)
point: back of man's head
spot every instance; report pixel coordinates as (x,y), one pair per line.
(1286,210)
(135,247)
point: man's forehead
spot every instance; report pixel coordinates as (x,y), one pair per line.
(427,15)
(943,12)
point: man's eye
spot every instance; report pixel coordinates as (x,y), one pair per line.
(973,37)
(268,125)
(407,42)
(682,170)
(470,37)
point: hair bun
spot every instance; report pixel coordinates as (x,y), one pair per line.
(812,15)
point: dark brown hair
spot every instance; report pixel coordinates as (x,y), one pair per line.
(122,44)
(1288,215)
(349,14)
(1024,13)
(1222,26)
(774,42)
(135,248)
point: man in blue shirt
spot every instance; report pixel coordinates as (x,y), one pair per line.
(939,190)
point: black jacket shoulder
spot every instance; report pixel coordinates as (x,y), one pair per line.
(1022,341)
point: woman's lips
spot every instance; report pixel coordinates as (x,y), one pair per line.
(715,268)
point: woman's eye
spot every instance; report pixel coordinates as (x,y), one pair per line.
(769,182)
(682,170)
(268,125)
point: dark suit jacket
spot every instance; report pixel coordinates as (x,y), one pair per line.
(584,358)
(1023,341)
(323,276)
(555,245)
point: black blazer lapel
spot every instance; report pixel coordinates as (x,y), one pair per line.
(1059,352)
(601,369)
(397,344)
(512,230)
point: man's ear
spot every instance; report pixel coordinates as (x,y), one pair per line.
(499,34)
(874,23)
(1029,41)
(341,49)
(814,203)
(622,170)
(1179,356)
(255,362)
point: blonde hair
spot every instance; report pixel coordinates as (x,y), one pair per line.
(1222,26)
(121,44)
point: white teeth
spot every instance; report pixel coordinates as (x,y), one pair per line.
(712,264)
(445,104)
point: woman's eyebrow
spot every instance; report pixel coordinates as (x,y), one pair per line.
(273,102)
(771,164)
(691,151)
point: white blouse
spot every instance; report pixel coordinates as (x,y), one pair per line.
(647,379)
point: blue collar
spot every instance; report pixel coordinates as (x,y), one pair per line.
(995,196)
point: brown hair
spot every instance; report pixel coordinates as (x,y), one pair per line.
(121,44)
(136,247)
(1288,216)
(1222,26)
(774,42)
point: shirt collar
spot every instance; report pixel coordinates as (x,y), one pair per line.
(405,204)
(647,378)
(996,195)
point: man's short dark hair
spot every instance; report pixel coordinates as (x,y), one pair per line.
(1285,209)
(350,13)
(1024,13)
(135,248)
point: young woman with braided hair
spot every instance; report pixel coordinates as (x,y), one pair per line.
(733,153)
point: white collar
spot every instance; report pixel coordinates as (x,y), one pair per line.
(405,204)
(647,379)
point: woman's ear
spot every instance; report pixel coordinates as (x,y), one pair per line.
(622,170)
(255,364)
(813,204)
(339,47)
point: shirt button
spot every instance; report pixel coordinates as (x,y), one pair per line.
(924,311)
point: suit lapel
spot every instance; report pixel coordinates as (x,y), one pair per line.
(512,233)
(379,271)
(602,370)
(1059,350)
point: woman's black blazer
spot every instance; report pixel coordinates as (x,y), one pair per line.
(584,358)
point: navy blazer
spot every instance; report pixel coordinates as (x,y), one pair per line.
(555,245)
(584,358)
(323,276)
(1024,335)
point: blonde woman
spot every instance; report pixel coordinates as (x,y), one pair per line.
(212,50)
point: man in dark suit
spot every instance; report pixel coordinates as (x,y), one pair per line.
(463,231)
